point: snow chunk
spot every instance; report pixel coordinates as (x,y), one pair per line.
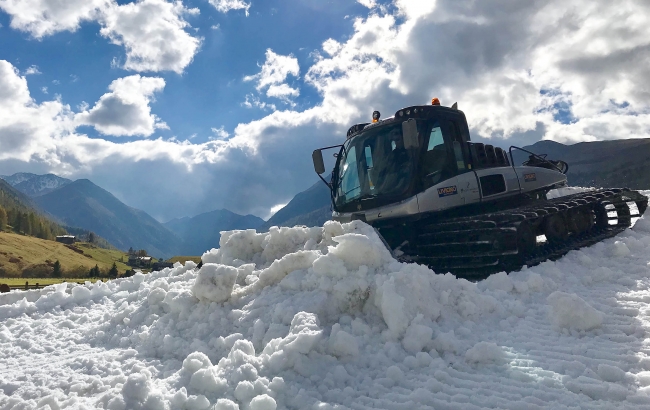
(619,249)
(499,281)
(610,373)
(572,312)
(225,404)
(395,373)
(303,336)
(80,294)
(342,343)
(136,388)
(485,352)
(416,338)
(305,332)
(215,282)
(356,250)
(263,402)
(196,361)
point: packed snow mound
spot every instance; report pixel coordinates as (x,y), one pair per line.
(325,318)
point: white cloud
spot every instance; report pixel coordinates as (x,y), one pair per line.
(331,46)
(42,18)
(220,133)
(215,26)
(368,3)
(273,210)
(225,6)
(152,31)
(125,111)
(44,90)
(254,101)
(32,70)
(273,75)
(24,125)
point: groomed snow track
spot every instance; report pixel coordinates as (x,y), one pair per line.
(475,247)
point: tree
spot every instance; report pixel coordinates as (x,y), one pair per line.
(91,237)
(16,222)
(142,252)
(131,251)
(113,272)
(56,272)
(3,219)
(94,272)
(25,223)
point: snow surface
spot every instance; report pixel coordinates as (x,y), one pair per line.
(324,318)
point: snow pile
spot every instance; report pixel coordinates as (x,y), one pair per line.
(325,318)
(569,311)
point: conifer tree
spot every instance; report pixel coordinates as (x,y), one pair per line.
(113,272)
(56,272)
(3,218)
(94,272)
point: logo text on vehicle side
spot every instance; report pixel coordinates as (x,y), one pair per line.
(530,177)
(448,190)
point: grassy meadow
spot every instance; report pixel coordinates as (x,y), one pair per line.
(183,259)
(22,255)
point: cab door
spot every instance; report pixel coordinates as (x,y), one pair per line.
(467,180)
(439,169)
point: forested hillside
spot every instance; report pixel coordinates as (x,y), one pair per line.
(18,212)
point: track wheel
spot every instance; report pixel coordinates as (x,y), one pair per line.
(555,228)
(526,239)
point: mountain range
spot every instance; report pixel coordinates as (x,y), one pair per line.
(310,207)
(616,163)
(83,204)
(35,185)
(202,232)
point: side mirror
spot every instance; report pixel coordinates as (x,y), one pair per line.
(410,134)
(319,165)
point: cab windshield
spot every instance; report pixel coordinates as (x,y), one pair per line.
(374,164)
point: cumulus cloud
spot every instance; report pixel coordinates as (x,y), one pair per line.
(224,6)
(152,31)
(42,18)
(125,111)
(25,125)
(368,3)
(273,75)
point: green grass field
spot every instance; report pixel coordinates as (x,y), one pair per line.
(13,282)
(183,259)
(19,253)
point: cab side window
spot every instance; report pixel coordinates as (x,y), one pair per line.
(436,161)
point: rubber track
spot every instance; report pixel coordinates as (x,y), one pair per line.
(475,247)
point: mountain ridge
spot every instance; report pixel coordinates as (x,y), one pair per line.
(202,232)
(35,185)
(86,205)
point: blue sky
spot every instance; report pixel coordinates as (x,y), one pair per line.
(183,107)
